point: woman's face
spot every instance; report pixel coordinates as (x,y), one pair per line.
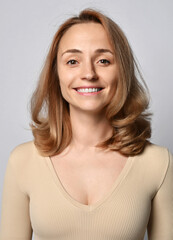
(87,68)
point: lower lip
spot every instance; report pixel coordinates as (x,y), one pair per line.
(88,93)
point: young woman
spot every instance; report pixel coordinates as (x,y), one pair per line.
(91,172)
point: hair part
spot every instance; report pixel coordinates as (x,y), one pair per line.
(127,111)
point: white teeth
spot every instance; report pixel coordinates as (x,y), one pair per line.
(88,90)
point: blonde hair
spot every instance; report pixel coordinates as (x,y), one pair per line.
(126,112)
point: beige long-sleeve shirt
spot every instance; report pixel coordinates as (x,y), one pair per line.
(35,201)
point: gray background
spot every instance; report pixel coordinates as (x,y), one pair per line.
(27,28)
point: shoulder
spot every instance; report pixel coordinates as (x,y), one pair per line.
(156,154)
(23,154)
(23,148)
(154,163)
(24,165)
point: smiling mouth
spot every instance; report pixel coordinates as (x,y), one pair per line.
(88,90)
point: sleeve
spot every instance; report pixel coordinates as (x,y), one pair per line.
(15,221)
(160,224)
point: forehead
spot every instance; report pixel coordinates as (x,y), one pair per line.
(85,35)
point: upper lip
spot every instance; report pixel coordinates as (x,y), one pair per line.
(88,87)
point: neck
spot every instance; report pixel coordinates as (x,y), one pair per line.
(88,129)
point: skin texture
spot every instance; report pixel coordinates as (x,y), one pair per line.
(81,167)
(87,68)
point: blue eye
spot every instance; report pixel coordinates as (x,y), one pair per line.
(72,62)
(104,61)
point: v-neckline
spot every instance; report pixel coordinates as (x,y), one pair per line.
(80,205)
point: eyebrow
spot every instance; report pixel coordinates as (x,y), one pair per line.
(99,50)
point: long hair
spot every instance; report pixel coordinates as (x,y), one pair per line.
(127,112)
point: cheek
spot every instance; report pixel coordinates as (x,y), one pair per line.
(113,83)
(64,86)
(63,89)
(113,79)
(63,79)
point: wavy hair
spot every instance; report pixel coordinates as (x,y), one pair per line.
(127,112)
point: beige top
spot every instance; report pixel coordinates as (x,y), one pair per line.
(35,201)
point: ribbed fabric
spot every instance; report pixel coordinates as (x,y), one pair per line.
(35,202)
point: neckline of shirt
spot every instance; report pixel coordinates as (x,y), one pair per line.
(101,202)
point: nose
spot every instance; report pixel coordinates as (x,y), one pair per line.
(88,71)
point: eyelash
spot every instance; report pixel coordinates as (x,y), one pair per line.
(107,62)
(72,60)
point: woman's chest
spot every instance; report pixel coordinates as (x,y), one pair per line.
(88,181)
(54,214)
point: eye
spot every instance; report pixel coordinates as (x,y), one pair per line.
(104,61)
(72,62)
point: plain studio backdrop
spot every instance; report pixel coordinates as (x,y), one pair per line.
(27,28)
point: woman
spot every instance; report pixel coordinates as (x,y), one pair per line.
(91,172)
